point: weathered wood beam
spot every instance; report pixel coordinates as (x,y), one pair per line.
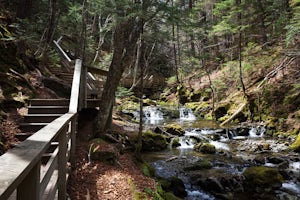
(97,71)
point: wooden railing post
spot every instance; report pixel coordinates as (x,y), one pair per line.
(62,164)
(73,140)
(30,186)
(83,87)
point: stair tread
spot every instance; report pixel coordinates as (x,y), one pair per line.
(24,134)
(43,115)
(48,107)
(34,124)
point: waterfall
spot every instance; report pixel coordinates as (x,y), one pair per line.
(257,132)
(186,114)
(153,115)
(186,143)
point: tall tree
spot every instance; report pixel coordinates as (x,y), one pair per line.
(125,37)
(24,9)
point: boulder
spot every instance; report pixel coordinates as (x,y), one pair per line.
(211,184)
(199,165)
(174,129)
(296,145)
(103,151)
(177,187)
(206,148)
(153,142)
(262,179)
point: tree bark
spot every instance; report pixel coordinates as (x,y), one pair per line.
(140,134)
(264,37)
(125,37)
(24,9)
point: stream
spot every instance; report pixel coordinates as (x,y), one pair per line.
(237,148)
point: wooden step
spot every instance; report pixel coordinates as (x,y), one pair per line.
(31,127)
(48,109)
(40,118)
(22,136)
(49,102)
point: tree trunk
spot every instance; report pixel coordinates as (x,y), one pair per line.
(138,63)
(264,37)
(238,4)
(47,36)
(174,48)
(125,37)
(24,9)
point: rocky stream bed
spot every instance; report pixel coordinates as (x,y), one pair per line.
(206,161)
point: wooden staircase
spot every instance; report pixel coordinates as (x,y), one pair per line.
(40,113)
(94,86)
(37,168)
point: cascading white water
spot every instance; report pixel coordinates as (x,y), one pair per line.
(186,143)
(186,114)
(152,114)
(257,132)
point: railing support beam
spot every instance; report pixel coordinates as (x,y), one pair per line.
(62,164)
(30,186)
(73,141)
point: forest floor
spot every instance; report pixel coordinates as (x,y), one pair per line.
(103,181)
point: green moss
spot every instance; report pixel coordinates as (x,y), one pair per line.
(137,195)
(175,142)
(148,170)
(149,102)
(168,103)
(205,148)
(296,145)
(200,165)
(208,148)
(174,129)
(170,196)
(171,112)
(183,94)
(152,141)
(262,177)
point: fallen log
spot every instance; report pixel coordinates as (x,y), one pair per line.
(234,114)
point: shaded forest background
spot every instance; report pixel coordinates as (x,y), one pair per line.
(212,56)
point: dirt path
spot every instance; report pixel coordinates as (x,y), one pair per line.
(97,180)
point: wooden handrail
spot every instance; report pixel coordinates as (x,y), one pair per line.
(75,87)
(20,167)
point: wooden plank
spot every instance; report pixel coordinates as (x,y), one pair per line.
(75,87)
(73,141)
(62,51)
(49,169)
(18,162)
(98,71)
(62,164)
(30,186)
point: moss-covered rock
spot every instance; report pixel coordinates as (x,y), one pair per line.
(183,94)
(103,151)
(174,129)
(195,96)
(175,142)
(199,165)
(174,185)
(262,179)
(221,112)
(148,170)
(200,109)
(149,102)
(296,145)
(153,142)
(205,148)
